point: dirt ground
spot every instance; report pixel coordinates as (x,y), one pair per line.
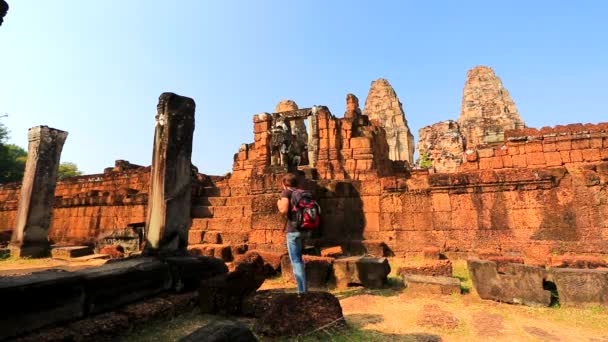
(395,314)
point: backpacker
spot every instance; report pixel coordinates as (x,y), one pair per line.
(306,212)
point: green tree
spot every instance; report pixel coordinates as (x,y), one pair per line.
(12,158)
(68,169)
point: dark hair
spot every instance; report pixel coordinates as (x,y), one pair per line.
(290,180)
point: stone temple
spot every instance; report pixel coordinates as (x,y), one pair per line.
(527,206)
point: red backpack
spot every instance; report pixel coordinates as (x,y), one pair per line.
(306,212)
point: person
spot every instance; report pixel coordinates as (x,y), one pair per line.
(295,238)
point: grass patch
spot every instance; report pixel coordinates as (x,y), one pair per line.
(461,271)
(170,330)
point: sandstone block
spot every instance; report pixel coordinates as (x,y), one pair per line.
(39,299)
(332,252)
(221,331)
(431,284)
(290,314)
(70,252)
(318,270)
(441,268)
(188,272)
(224,293)
(520,284)
(581,287)
(117,283)
(365,271)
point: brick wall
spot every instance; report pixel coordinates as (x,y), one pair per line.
(535,210)
(547,147)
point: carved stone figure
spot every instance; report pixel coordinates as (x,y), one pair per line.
(280,141)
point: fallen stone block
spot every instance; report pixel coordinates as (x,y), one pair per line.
(221,331)
(373,248)
(39,299)
(187,272)
(272,262)
(332,252)
(578,261)
(118,283)
(225,293)
(365,271)
(113,251)
(430,284)
(580,286)
(211,250)
(520,284)
(183,302)
(291,314)
(70,252)
(318,270)
(503,261)
(432,253)
(147,310)
(441,268)
(100,327)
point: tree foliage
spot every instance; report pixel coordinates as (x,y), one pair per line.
(68,169)
(12,158)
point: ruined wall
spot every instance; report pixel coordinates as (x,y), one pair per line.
(348,148)
(442,146)
(548,147)
(87,206)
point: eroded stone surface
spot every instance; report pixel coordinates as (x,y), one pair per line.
(168,216)
(318,270)
(221,331)
(519,284)
(39,299)
(431,284)
(441,268)
(383,106)
(441,146)
(30,237)
(366,271)
(225,293)
(291,314)
(581,286)
(487,109)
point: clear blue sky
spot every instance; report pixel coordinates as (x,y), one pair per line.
(96,68)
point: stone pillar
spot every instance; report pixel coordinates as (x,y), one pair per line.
(313,138)
(30,237)
(168,217)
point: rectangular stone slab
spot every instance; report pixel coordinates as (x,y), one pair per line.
(366,271)
(114,284)
(39,299)
(518,284)
(432,284)
(581,286)
(70,252)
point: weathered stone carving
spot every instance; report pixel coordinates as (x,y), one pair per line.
(30,237)
(168,217)
(280,142)
(3,10)
(352,107)
(441,146)
(383,106)
(487,109)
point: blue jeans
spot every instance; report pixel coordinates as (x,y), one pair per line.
(294,248)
